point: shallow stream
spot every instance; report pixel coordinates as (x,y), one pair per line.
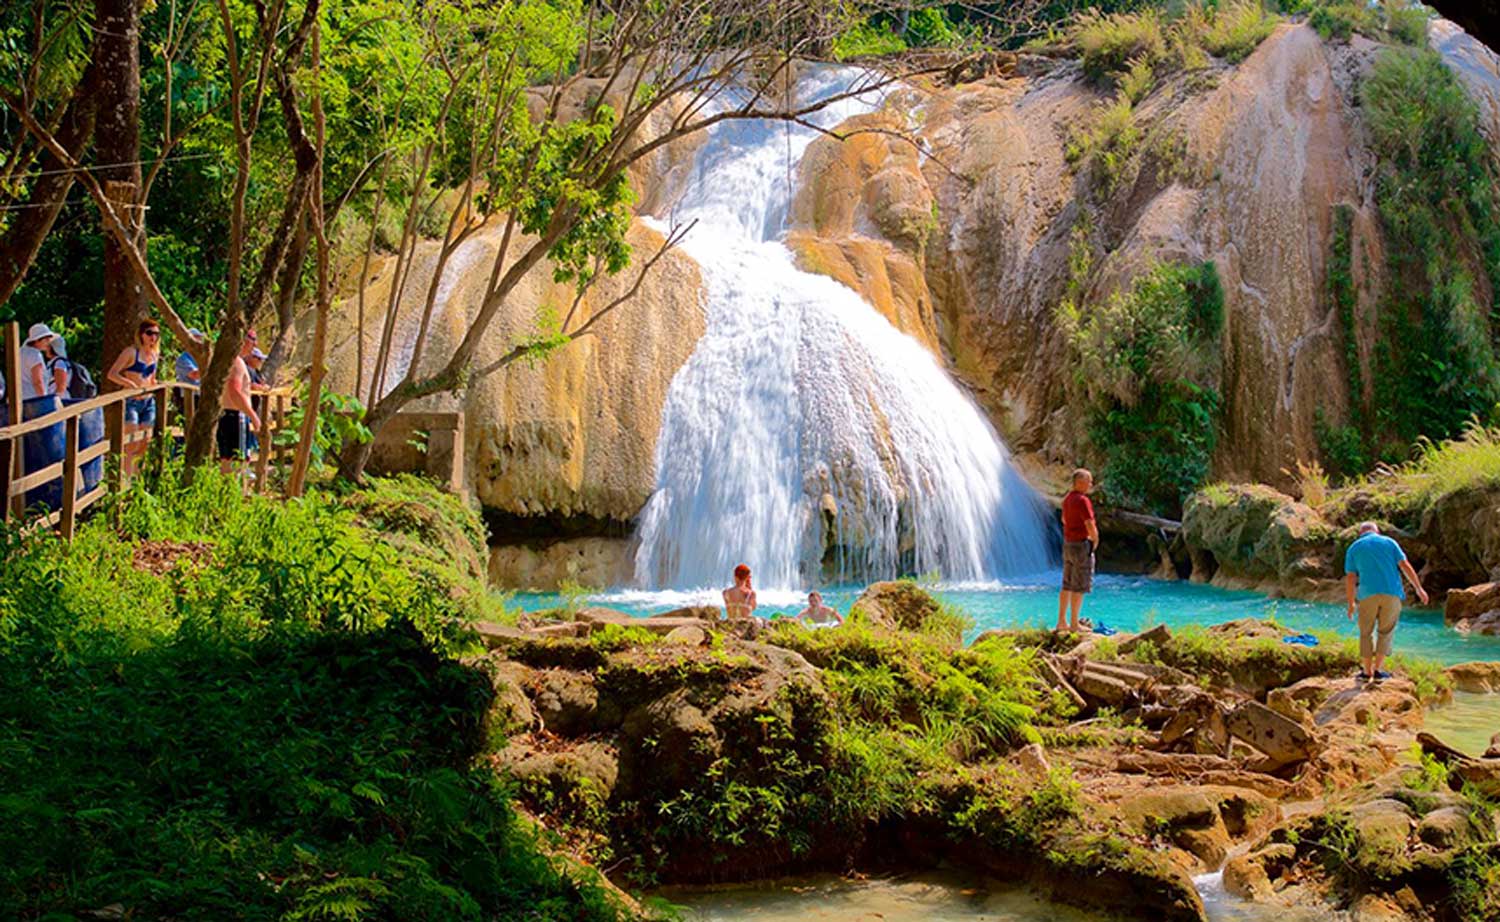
(935,897)
(1125,603)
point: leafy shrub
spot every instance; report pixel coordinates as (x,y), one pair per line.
(1109,43)
(1474,881)
(1146,360)
(1437,197)
(271,728)
(1108,141)
(1339,21)
(867,39)
(1236,28)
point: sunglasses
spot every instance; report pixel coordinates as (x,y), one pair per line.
(151,333)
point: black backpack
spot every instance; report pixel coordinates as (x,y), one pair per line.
(81,385)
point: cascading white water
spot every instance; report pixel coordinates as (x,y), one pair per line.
(806,433)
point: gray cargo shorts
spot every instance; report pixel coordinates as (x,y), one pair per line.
(1078,566)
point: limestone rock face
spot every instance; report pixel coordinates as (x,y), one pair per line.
(1243,168)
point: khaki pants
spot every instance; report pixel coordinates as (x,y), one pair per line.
(1382,611)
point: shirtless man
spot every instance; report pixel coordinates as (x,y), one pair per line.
(816,614)
(739,599)
(238,411)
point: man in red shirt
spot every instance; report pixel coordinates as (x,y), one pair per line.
(1080,537)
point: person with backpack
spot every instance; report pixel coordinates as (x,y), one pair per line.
(77,384)
(39,379)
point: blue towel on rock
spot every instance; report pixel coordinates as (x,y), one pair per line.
(1104,630)
(1301,640)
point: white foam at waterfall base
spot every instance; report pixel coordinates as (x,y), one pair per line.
(800,397)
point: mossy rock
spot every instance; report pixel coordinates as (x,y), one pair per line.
(898,604)
(1258,533)
(424,522)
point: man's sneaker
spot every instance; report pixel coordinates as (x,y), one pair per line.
(1381,674)
(1362,676)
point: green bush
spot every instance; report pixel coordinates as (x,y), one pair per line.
(867,39)
(237,707)
(1109,43)
(1339,21)
(1437,197)
(1398,21)
(1146,360)
(1107,142)
(1236,28)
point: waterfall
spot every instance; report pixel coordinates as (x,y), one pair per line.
(807,436)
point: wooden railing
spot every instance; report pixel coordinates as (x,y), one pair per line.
(173,417)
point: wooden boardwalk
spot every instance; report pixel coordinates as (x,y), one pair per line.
(175,404)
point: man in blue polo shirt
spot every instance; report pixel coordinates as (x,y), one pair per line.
(1373,566)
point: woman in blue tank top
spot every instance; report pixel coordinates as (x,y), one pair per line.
(136,367)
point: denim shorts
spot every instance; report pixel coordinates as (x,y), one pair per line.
(141,411)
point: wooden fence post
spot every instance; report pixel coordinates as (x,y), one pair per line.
(15,465)
(114,426)
(263,453)
(69,515)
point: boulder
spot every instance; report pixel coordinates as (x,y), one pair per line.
(1494,751)
(590,763)
(1157,635)
(1197,727)
(1257,534)
(701,612)
(511,709)
(564,700)
(595,615)
(1103,689)
(1481,677)
(1170,809)
(1464,604)
(1382,832)
(1447,828)
(1284,741)
(1251,876)
(1031,759)
(688,634)
(899,604)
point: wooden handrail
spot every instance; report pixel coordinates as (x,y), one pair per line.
(15,430)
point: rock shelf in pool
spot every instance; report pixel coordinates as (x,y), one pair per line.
(1097,771)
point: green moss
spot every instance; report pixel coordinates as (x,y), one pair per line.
(1436,367)
(1146,363)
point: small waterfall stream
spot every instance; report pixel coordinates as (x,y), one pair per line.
(806,435)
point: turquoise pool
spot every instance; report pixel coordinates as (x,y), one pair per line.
(1127,603)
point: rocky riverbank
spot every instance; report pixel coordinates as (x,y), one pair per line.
(1101,771)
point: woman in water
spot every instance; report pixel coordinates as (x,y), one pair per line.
(816,614)
(136,367)
(739,599)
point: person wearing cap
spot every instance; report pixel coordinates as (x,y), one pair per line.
(134,367)
(186,366)
(38,378)
(255,360)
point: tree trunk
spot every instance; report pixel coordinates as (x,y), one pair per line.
(33,222)
(200,434)
(286,303)
(117,145)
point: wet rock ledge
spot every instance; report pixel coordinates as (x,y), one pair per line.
(1101,771)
